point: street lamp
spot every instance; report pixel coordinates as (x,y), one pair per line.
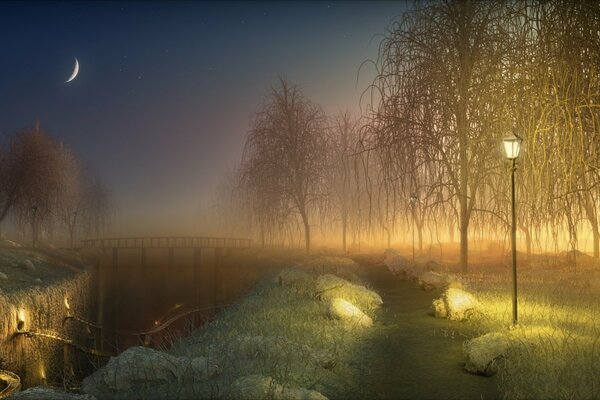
(33,232)
(512,147)
(413,202)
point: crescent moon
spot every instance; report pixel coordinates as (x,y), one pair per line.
(75,71)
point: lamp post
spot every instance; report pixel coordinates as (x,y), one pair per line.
(512,147)
(413,202)
(33,230)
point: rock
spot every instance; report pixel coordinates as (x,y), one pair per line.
(3,276)
(484,352)
(397,264)
(294,277)
(455,304)
(8,243)
(47,393)
(434,280)
(141,367)
(330,287)
(27,265)
(346,311)
(37,280)
(257,387)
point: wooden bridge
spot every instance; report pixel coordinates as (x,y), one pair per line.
(168,242)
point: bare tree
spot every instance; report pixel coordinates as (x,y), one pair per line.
(285,153)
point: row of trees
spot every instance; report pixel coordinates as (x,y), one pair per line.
(45,188)
(452,79)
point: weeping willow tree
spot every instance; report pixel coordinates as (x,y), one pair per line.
(435,95)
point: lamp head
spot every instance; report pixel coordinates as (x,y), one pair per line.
(413,199)
(512,146)
(20,320)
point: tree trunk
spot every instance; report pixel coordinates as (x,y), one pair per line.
(344,226)
(420,237)
(306,230)
(527,240)
(592,217)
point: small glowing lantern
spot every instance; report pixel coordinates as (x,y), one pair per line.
(512,146)
(20,320)
(413,199)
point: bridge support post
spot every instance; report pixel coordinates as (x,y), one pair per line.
(197,280)
(115,293)
(217,282)
(143,279)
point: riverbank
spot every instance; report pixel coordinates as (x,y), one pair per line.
(286,339)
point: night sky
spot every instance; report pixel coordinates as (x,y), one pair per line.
(166,91)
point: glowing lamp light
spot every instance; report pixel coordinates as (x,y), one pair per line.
(20,320)
(512,146)
(67,305)
(413,199)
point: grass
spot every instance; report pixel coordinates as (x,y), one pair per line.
(283,332)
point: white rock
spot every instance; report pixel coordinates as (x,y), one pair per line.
(434,280)
(330,287)
(396,263)
(3,276)
(346,311)
(141,367)
(455,304)
(484,352)
(294,277)
(27,265)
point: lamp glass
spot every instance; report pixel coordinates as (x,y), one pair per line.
(512,146)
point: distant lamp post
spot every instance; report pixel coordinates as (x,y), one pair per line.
(413,202)
(512,147)
(33,226)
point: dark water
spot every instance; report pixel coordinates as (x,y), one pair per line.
(138,293)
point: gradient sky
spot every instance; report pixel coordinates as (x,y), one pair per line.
(166,90)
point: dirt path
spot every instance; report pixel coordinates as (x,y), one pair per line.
(411,354)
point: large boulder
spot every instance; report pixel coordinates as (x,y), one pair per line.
(27,265)
(258,387)
(397,264)
(330,287)
(294,277)
(484,352)
(455,304)
(140,368)
(433,280)
(348,312)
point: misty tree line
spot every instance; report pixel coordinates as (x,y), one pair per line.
(46,191)
(452,79)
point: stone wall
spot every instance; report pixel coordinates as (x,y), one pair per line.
(39,359)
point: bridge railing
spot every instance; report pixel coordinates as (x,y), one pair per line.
(167,242)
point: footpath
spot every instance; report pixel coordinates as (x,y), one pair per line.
(411,354)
